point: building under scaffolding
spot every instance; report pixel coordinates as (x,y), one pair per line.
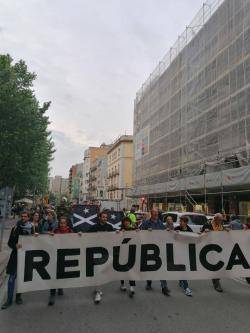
(192,116)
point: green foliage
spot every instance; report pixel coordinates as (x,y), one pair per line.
(26,146)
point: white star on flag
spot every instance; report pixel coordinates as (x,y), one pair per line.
(113,217)
(86,210)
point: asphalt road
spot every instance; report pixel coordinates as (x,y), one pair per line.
(149,311)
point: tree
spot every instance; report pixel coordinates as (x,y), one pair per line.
(26,146)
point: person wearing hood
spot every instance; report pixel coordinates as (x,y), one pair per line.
(23,228)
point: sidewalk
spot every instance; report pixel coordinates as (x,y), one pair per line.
(4,254)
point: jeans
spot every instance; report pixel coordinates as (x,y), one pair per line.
(131,283)
(163,283)
(11,287)
(183,284)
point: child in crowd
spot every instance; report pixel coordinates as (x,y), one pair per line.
(184,227)
(62,228)
(126,226)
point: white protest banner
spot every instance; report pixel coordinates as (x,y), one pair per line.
(66,261)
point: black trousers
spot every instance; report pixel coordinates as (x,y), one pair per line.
(53,291)
(131,283)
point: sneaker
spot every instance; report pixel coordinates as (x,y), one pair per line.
(123,287)
(188,292)
(19,300)
(218,288)
(51,300)
(165,291)
(98,297)
(131,291)
(148,286)
(60,292)
(6,305)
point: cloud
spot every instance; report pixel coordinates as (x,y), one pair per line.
(90,59)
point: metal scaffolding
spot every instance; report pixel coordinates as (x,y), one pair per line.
(193,112)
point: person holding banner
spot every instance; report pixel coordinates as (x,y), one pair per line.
(50,223)
(102,226)
(215,225)
(126,226)
(154,223)
(184,227)
(23,227)
(63,228)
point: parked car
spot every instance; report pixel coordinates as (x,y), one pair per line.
(195,220)
(210,217)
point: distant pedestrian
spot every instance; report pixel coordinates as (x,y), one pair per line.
(23,227)
(154,223)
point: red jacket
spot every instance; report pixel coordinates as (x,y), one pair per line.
(63,231)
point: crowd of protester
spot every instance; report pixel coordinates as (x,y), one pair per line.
(45,220)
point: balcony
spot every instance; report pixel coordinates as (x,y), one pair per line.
(113,174)
(112,188)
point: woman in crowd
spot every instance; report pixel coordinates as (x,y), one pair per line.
(37,223)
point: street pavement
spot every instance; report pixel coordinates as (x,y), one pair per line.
(149,312)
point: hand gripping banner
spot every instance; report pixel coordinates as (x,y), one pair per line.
(67,261)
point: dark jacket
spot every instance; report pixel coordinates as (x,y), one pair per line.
(101,227)
(16,231)
(179,228)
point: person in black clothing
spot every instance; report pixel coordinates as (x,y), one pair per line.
(23,227)
(126,226)
(184,227)
(103,226)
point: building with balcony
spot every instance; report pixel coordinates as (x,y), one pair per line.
(90,165)
(120,165)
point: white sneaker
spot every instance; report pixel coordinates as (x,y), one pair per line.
(98,297)
(131,291)
(123,287)
(188,292)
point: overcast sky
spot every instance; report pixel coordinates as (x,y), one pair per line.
(91,57)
